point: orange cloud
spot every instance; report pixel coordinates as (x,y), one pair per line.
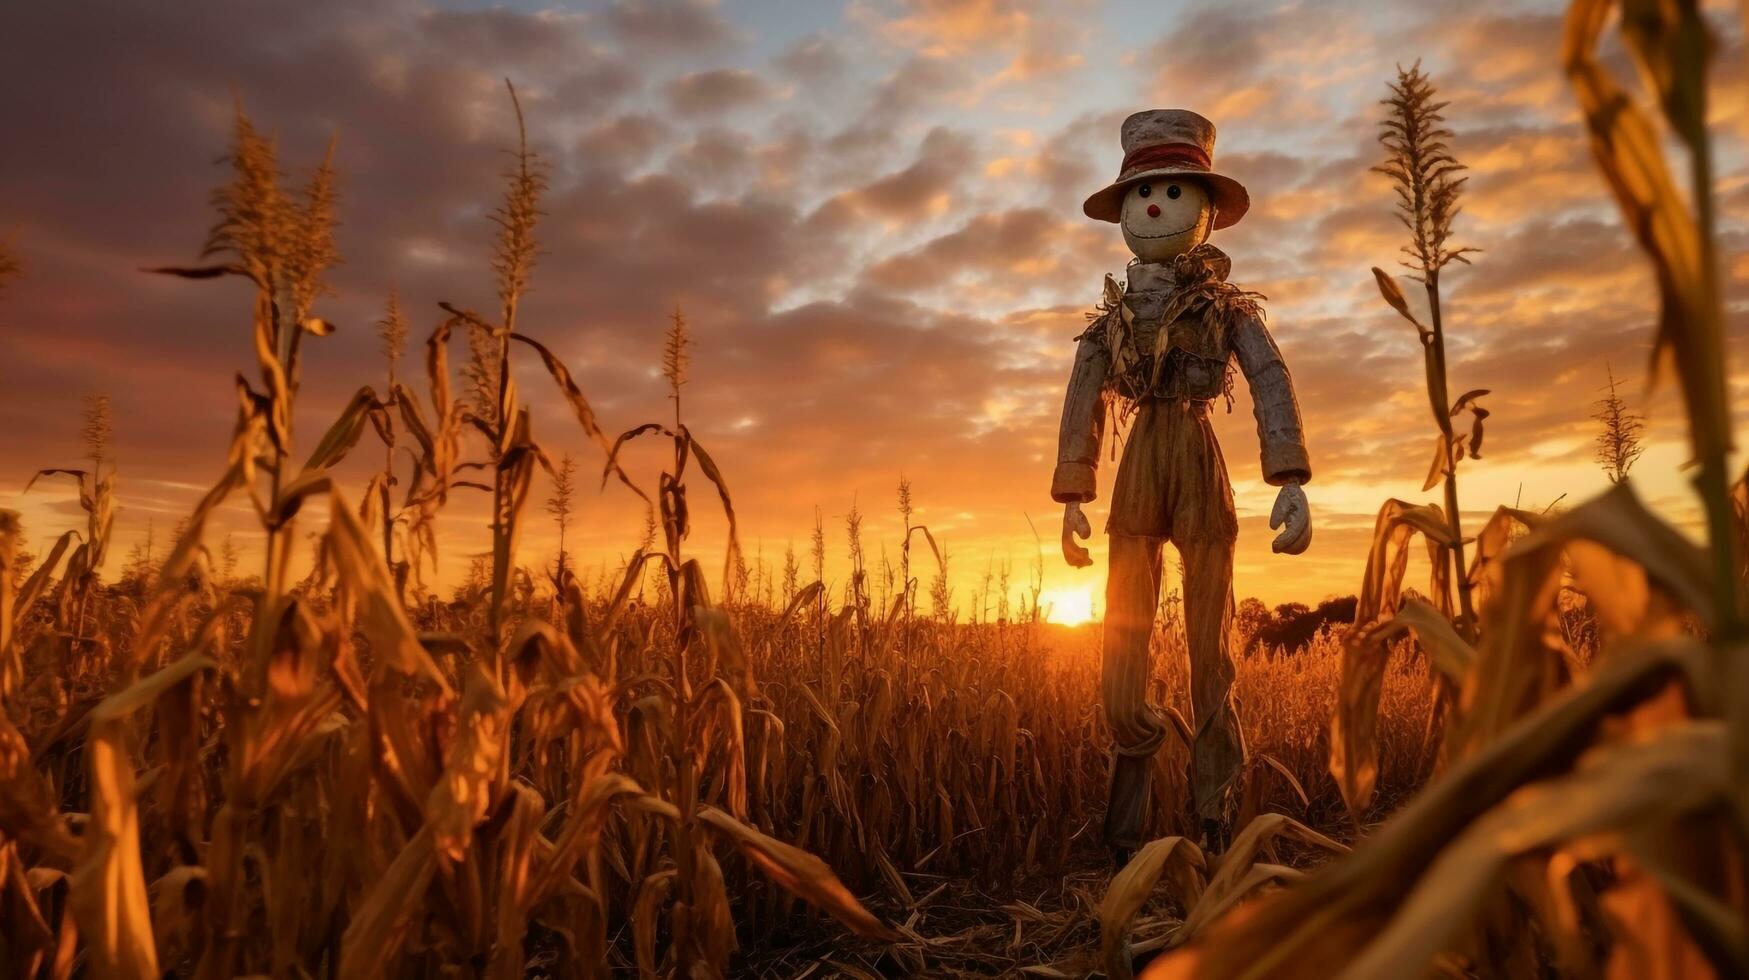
(880,245)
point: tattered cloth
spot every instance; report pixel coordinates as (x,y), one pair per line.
(1181,353)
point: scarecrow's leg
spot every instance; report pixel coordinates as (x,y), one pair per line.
(1218,751)
(1132,589)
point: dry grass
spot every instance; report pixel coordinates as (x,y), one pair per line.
(208,776)
(958,805)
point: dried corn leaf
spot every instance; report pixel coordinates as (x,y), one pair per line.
(712,926)
(582,832)
(1486,567)
(202,272)
(382,617)
(344,433)
(177,899)
(464,791)
(1217,903)
(1669,40)
(1674,864)
(155,618)
(1393,295)
(109,896)
(720,712)
(380,925)
(1655,941)
(1451,653)
(109,882)
(414,417)
(537,648)
(33,587)
(1259,837)
(646,919)
(1614,787)
(800,873)
(273,377)
(1313,929)
(1353,726)
(715,475)
(1471,442)
(1174,857)
(77,475)
(1523,659)
(1618,521)
(1441,468)
(579,406)
(1388,558)
(723,644)
(518,841)
(25,936)
(11,533)
(147,689)
(28,810)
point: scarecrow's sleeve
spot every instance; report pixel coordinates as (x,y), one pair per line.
(1083,423)
(1279,430)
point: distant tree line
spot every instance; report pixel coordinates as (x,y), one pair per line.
(1291,625)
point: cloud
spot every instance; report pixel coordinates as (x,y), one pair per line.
(1211,42)
(950,28)
(623,143)
(1028,42)
(943,160)
(718,161)
(669,25)
(878,243)
(716,91)
(814,59)
(1007,251)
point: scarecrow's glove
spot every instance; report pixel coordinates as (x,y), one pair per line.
(1075,526)
(1291,509)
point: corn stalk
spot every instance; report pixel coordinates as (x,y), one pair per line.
(1428,186)
(1637,765)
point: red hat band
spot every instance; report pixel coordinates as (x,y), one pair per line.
(1162,155)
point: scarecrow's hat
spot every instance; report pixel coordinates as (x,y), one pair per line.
(1169,143)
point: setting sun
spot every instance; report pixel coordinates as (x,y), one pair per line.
(1068,607)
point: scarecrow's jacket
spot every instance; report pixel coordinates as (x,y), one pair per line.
(1172,333)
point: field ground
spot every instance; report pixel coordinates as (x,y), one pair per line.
(1043,920)
(991,919)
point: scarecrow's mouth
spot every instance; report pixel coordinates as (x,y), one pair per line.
(1169,234)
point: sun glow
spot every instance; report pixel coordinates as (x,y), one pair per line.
(1070,607)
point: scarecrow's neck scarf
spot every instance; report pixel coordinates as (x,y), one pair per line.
(1199,310)
(1201,265)
(1198,299)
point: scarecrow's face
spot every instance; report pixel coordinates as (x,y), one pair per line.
(1166,217)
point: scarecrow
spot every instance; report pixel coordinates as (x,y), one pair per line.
(1157,355)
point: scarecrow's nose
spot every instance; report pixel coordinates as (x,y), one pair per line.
(1153,210)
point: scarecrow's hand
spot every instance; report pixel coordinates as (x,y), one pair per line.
(1075,525)
(1291,510)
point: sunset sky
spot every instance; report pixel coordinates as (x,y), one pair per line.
(870,212)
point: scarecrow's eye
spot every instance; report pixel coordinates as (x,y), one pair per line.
(1146,189)
(1172,192)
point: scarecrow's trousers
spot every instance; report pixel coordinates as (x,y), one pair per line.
(1217,750)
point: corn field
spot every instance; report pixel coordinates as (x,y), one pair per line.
(1533,767)
(216,775)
